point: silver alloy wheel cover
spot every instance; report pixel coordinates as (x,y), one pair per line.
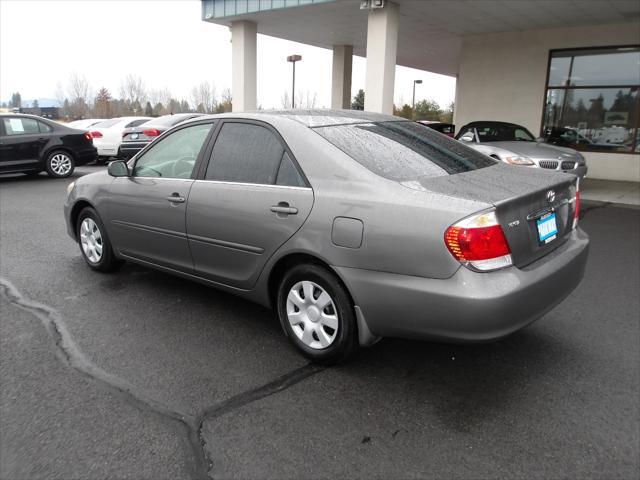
(60,164)
(313,316)
(91,240)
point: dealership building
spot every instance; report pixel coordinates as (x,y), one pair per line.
(566,67)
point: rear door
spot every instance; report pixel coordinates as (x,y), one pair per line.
(249,199)
(146,211)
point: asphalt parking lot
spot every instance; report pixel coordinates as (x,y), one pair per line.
(139,374)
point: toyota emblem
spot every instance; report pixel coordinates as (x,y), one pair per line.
(551,196)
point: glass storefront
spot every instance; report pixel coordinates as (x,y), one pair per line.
(593,99)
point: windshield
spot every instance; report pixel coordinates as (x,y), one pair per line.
(404,151)
(501,132)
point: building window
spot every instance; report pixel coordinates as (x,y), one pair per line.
(593,99)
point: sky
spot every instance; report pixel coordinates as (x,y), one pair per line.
(166,43)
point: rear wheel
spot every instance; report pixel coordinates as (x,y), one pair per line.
(59,164)
(317,315)
(94,243)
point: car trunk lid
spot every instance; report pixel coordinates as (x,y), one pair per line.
(535,208)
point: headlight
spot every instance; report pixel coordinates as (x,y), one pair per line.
(70,187)
(519,160)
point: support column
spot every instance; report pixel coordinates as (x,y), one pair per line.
(243,65)
(382,48)
(341,77)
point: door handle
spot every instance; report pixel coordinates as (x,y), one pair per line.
(176,198)
(283,208)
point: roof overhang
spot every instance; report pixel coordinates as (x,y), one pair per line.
(431,32)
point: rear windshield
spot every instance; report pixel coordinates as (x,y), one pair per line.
(167,120)
(404,151)
(107,123)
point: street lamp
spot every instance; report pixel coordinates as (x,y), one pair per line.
(413,105)
(293,59)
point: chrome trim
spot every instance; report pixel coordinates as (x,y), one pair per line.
(254,184)
(146,228)
(553,208)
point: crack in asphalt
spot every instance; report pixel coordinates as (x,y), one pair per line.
(71,356)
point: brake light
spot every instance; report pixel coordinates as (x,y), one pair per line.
(152,132)
(95,134)
(479,242)
(88,136)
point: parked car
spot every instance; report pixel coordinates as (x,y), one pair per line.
(573,138)
(135,139)
(352,225)
(514,144)
(107,135)
(449,129)
(85,124)
(31,144)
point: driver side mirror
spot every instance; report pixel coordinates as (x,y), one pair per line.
(118,168)
(467,137)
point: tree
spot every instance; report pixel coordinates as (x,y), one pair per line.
(184,106)
(102,104)
(405,112)
(16,100)
(77,93)
(148,110)
(285,100)
(205,95)
(133,89)
(226,103)
(358,101)
(447,115)
(158,110)
(35,104)
(427,110)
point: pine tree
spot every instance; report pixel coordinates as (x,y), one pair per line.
(358,101)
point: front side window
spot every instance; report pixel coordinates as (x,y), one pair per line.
(173,156)
(20,126)
(245,153)
(593,97)
(503,132)
(403,151)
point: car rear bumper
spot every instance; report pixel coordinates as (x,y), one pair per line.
(469,306)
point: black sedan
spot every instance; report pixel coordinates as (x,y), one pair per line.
(31,144)
(135,139)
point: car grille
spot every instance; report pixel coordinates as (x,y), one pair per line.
(551,164)
(568,165)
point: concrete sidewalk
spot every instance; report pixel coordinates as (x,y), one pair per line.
(610,191)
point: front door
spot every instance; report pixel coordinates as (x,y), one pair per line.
(146,211)
(21,143)
(251,200)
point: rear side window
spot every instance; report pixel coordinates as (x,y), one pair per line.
(245,153)
(44,128)
(404,151)
(20,126)
(288,174)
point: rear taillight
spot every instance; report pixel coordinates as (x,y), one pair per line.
(152,132)
(95,134)
(479,242)
(87,135)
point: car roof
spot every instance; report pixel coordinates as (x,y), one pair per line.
(312,117)
(491,122)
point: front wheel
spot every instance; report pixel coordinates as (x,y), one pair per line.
(94,243)
(59,164)
(317,315)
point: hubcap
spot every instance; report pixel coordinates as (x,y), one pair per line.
(60,164)
(312,315)
(91,240)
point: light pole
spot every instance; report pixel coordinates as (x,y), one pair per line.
(293,59)
(413,104)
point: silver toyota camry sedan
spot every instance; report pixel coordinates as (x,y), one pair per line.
(353,226)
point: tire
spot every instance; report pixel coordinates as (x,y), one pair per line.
(323,329)
(60,164)
(94,243)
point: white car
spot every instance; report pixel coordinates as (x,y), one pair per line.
(107,135)
(84,124)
